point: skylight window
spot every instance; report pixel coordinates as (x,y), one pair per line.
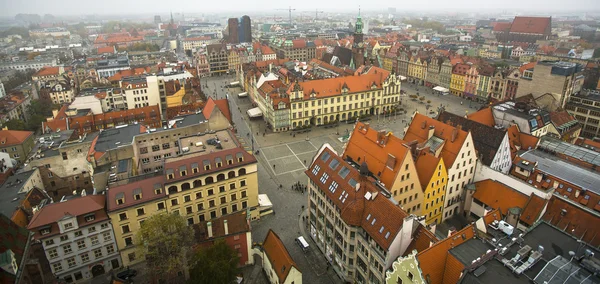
(334,163)
(381,229)
(368,217)
(352,182)
(373,222)
(344,172)
(387,235)
(325,156)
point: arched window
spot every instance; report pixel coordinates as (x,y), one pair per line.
(185,186)
(172,189)
(197,183)
(231,174)
(209,180)
(220,177)
(241,171)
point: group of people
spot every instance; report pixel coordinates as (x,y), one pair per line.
(299,187)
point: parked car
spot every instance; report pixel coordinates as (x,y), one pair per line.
(127,274)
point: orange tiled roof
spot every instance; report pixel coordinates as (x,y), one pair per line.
(333,86)
(426,165)
(106,49)
(419,131)
(422,239)
(534,207)
(384,160)
(484,116)
(278,255)
(75,207)
(13,137)
(574,220)
(519,140)
(433,260)
(223,106)
(498,195)
(527,66)
(501,26)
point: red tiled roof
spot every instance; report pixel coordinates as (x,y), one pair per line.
(498,195)
(534,207)
(265,49)
(559,118)
(422,239)
(48,71)
(281,261)
(13,137)
(426,165)
(574,220)
(365,146)
(298,43)
(223,106)
(106,49)
(373,214)
(209,107)
(527,66)
(146,187)
(419,131)
(461,69)
(333,86)
(530,25)
(501,26)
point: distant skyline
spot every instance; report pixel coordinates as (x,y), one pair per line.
(116,7)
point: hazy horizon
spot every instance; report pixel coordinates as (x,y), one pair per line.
(137,7)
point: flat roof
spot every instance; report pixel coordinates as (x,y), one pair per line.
(578,152)
(558,167)
(199,143)
(113,138)
(188,120)
(470,250)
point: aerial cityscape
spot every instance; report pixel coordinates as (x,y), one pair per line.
(286,143)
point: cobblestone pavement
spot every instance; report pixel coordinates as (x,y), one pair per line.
(282,163)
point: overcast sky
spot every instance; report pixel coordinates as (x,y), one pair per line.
(86,7)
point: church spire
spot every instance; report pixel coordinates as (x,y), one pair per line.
(172,17)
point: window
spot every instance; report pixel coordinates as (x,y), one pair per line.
(64,156)
(64,238)
(67,249)
(71,262)
(110,249)
(49,242)
(128,241)
(140,211)
(155,148)
(104,226)
(160,206)
(188,210)
(52,253)
(91,230)
(81,244)
(131,256)
(174,202)
(123,216)
(44,231)
(107,236)
(125,229)
(242,182)
(98,253)
(95,240)
(244,194)
(57,266)
(78,276)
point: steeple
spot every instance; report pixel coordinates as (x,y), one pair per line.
(172,18)
(358,29)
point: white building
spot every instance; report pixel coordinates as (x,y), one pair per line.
(2,90)
(141,91)
(77,238)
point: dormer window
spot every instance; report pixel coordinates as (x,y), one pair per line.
(240,157)
(45,231)
(157,188)
(206,164)
(195,168)
(170,174)
(90,218)
(137,194)
(229,159)
(120,198)
(182,171)
(219,162)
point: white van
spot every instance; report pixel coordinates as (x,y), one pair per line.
(302,243)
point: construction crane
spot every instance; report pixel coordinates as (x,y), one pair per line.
(290,10)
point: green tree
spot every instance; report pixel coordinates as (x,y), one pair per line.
(215,264)
(165,241)
(38,111)
(15,124)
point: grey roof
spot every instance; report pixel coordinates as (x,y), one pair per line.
(190,119)
(470,250)
(577,152)
(12,196)
(112,138)
(553,165)
(562,270)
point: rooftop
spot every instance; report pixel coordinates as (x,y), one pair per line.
(470,250)
(113,138)
(278,255)
(558,146)
(553,165)
(13,137)
(13,192)
(202,143)
(147,188)
(237,223)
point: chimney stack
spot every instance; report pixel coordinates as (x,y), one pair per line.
(209,229)
(431,131)
(226,227)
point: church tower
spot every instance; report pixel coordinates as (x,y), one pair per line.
(358,30)
(358,47)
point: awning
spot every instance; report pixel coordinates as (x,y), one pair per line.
(244,94)
(254,112)
(264,201)
(441,89)
(402,78)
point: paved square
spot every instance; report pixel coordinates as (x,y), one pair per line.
(285,165)
(276,152)
(302,147)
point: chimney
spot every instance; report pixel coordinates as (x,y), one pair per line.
(577,192)
(209,229)
(454,134)
(226,227)
(382,138)
(431,131)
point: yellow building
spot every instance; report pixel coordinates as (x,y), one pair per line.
(434,178)
(318,102)
(209,182)
(128,206)
(457,81)
(417,69)
(233,60)
(174,93)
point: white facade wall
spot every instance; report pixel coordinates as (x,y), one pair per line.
(88,102)
(459,175)
(502,161)
(141,97)
(100,249)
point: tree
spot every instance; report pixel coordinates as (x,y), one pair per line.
(165,239)
(15,124)
(215,264)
